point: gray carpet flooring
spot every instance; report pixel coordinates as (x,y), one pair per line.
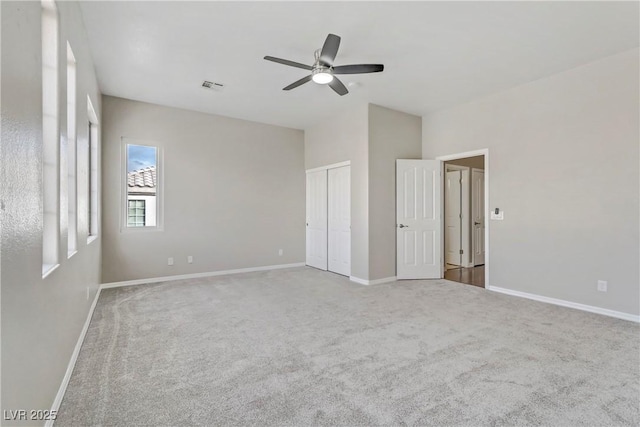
(302,347)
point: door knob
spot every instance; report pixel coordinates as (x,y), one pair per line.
(477,223)
(402,226)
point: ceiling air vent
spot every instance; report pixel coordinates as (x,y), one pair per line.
(212,85)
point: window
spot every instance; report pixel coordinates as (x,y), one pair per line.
(92,173)
(136,213)
(50,135)
(72,166)
(143,184)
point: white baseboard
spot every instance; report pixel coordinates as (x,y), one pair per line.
(72,362)
(198,275)
(372,282)
(570,304)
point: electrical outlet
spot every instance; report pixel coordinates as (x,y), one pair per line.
(170,261)
(280,252)
(602,285)
(190,259)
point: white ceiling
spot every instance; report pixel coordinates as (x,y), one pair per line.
(436,54)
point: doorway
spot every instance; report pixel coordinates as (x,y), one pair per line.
(464,220)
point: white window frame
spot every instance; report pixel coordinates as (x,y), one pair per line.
(124,228)
(50,138)
(72,155)
(93,174)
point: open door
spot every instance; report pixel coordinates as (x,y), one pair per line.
(453,218)
(418,219)
(477,208)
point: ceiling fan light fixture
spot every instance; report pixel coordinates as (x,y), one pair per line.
(322,76)
(323,69)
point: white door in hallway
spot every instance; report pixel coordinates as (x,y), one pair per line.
(418,219)
(339,199)
(317,219)
(477,215)
(453,217)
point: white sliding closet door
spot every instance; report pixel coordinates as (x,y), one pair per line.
(339,197)
(317,219)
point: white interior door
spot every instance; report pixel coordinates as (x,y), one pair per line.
(418,217)
(339,222)
(453,217)
(317,219)
(477,215)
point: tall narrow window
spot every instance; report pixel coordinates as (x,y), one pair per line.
(142,183)
(72,165)
(93,150)
(50,135)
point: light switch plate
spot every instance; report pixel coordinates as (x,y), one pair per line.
(497,217)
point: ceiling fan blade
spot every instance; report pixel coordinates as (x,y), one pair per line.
(289,63)
(338,87)
(298,83)
(358,69)
(329,49)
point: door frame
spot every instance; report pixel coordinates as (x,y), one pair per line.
(455,156)
(327,167)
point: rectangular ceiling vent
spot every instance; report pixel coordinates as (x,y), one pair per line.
(212,85)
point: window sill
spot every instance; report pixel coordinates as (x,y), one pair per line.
(91,239)
(70,254)
(140,229)
(47,269)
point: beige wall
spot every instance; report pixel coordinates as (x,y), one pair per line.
(233,193)
(563,166)
(372,138)
(341,138)
(41,318)
(392,135)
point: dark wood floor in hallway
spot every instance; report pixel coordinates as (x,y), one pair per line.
(470,276)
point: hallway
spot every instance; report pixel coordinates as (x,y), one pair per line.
(470,276)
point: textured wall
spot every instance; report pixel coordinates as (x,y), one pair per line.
(41,318)
(345,137)
(392,135)
(563,165)
(233,193)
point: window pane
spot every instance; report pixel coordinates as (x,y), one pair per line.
(141,185)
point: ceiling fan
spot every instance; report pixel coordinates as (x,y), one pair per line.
(323,70)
